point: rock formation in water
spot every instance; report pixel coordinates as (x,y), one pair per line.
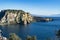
(15,16)
(42,19)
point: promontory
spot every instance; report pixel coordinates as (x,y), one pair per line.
(18,17)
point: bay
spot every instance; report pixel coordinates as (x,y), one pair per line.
(42,30)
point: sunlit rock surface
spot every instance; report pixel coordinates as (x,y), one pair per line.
(15,16)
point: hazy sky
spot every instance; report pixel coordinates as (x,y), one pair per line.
(37,7)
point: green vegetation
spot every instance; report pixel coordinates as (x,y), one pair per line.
(13,36)
(48,38)
(31,38)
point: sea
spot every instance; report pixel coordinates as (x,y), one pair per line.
(42,30)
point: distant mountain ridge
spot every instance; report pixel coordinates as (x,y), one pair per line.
(56,15)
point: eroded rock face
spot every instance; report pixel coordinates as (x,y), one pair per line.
(15,16)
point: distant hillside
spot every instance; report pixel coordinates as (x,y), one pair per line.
(55,15)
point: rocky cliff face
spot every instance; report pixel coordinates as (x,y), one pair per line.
(15,16)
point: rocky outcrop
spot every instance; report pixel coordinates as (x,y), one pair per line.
(15,16)
(42,19)
(27,17)
(13,36)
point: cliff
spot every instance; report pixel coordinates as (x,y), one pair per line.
(15,16)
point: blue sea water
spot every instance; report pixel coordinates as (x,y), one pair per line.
(42,30)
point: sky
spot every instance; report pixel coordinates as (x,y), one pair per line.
(35,7)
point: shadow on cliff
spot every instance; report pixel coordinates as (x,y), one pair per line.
(2,13)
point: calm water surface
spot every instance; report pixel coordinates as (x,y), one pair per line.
(42,30)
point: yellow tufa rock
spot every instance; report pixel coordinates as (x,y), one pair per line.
(27,18)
